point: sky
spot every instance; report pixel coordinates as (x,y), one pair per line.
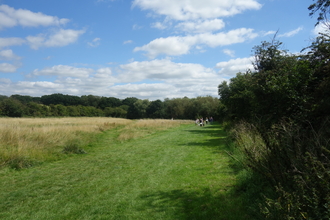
(148,49)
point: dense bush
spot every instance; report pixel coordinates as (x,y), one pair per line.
(284,103)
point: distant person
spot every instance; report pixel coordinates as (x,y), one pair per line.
(201,122)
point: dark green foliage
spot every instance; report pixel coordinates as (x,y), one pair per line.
(12,108)
(90,100)
(109,102)
(286,103)
(60,99)
(116,112)
(129,101)
(156,109)
(24,99)
(322,7)
(298,162)
(59,105)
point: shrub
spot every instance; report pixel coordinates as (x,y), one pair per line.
(73,147)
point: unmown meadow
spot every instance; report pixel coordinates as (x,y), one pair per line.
(25,142)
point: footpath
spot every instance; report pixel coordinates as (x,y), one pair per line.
(182,173)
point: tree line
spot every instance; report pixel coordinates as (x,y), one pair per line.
(59,105)
(283,106)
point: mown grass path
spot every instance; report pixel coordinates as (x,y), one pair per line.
(181,173)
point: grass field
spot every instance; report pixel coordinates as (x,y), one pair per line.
(131,172)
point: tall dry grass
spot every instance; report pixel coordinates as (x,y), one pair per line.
(148,126)
(26,141)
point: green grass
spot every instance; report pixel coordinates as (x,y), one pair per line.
(180,173)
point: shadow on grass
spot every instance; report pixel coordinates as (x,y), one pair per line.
(195,205)
(204,203)
(218,140)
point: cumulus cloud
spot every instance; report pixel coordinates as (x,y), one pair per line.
(145,91)
(60,38)
(10,17)
(233,66)
(177,79)
(11,41)
(8,55)
(179,45)
(201,26)
(229,52)
(192,9)
(63,70)
(161,70)
(321,28)
(69,80)
(159,25)
(7,68)
(155,79)
(104,71)
(173,46)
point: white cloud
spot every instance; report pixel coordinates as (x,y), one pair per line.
(291,33)
(160,70)
(7,68)
(60,38)
(170,79)
(5,81)
(104,71)
(194,9)
(159,25)
(10,17)
(233,66)
(178,45)
(63,70)
(145,91)
(156,79)
(201,26)
(11,41)
(136,27)
(172,46)
(321,28)
(229,52)
(128,42)
(269,33)
(95,42)
(8,55)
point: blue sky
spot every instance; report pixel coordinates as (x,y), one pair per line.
(149,49)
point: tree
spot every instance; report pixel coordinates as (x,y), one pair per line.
(24,99)
(267,55)
(321,6)
(12,108)
(156,109)
(36,110)
(129,101)
(109,102)
(90,100)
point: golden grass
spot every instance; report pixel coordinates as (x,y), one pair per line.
(145,127)
(39,139)
(24,141)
